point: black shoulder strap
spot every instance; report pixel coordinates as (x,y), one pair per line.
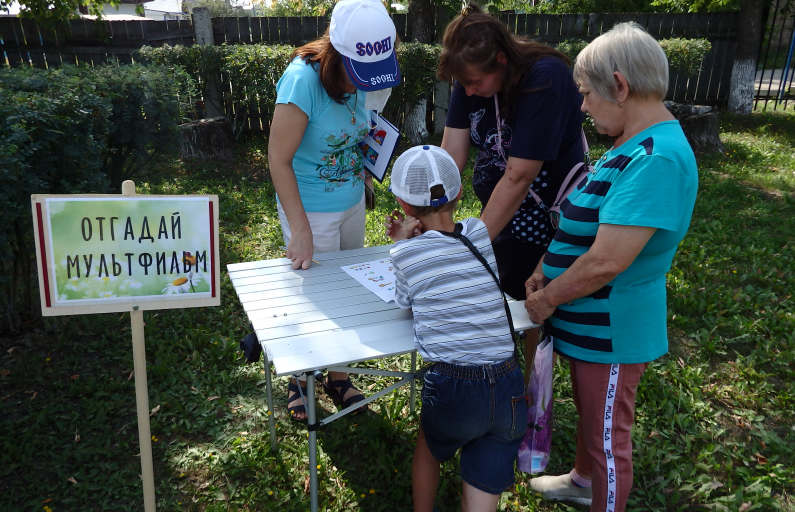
(457,234)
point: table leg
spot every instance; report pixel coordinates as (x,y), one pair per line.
(311,419)
(413,387)
(269,393)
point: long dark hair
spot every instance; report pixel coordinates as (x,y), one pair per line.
(331,71)
(475,38)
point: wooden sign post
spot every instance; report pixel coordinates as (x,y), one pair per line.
(111,253)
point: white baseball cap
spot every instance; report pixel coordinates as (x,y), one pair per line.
(420,168)
(363,33)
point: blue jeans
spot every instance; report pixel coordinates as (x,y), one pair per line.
(481,410)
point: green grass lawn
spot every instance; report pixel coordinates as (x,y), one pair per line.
(714,425)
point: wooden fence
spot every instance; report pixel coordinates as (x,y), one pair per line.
(22,43)
(85,41)
(294,31)
(710,87)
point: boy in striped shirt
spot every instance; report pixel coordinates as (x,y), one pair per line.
(473,395)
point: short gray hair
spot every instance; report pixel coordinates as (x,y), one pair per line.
(630,50)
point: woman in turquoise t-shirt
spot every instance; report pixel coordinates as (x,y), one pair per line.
(601,284)
(322,112)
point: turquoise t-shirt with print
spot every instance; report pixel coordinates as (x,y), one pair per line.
(651,180)
(328,163)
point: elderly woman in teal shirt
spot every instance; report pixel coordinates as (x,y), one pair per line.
(601,285)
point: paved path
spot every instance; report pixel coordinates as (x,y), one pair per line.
(771,88)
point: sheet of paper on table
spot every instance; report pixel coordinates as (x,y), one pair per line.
(378,276)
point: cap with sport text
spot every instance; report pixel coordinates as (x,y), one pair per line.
(363,33)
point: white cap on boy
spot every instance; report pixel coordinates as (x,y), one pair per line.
(420,168)
(363,33)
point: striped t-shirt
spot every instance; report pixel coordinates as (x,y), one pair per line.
(459,316)
(650,180)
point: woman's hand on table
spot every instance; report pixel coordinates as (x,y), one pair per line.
(300,249)
(400,227)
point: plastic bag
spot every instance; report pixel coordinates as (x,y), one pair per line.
(537,443)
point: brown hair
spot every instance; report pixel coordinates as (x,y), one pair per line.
(437,192)
(332,74)
(476,38)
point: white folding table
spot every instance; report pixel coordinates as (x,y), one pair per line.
(321,319)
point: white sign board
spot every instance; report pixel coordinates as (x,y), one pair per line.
(104,253)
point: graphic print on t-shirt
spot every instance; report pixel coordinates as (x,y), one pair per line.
(489,156)
(342,162)
(545,121)
(474,119)
(530,223)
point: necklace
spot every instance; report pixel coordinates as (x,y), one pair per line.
(353,110)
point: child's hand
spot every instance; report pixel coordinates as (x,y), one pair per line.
(399,227)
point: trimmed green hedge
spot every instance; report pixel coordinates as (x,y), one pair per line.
(74,130)
(252,71)
(684,55)
(249,73)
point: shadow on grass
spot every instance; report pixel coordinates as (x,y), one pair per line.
(375,457)
(375,450)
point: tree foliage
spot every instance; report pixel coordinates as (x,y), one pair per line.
(49,13)
(602,6)
(296,8)
(217,8)
(696,5)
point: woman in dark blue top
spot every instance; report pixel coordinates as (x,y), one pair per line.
(528,87)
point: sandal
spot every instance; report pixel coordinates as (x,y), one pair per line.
(292,395)
(337,389)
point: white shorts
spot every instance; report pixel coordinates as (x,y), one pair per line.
(331,231)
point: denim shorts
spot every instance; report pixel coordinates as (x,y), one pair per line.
(481,410)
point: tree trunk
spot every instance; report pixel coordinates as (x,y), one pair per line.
(414,127)
(700,124)
(422,22)
(207,139)
(702,132)
(441,102)
(211,90)
(741,88)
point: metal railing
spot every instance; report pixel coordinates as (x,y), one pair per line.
(775,74)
